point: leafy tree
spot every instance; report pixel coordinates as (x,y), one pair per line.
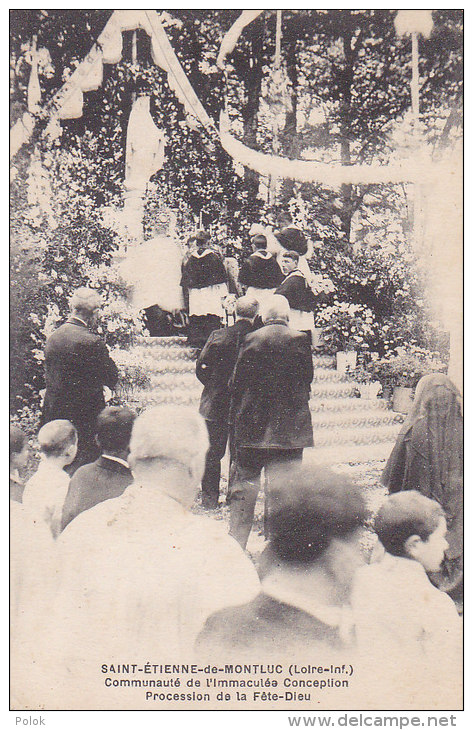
(349,65)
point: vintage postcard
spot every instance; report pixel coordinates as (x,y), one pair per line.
(236,364)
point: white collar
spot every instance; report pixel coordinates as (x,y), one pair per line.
(201,255)
(262,254)
(117,459)
(296,272)
(335,616)
(74,316)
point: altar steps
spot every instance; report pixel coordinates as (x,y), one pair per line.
(347,429)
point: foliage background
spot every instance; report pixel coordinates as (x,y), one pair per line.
(342,95)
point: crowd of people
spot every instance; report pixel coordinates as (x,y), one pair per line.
(109,563)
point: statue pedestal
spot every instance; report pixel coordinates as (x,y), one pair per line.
(133,211)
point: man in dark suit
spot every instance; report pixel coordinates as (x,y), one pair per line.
(214,369)
(77,366)
(270,392)
(310,564)
(109,475)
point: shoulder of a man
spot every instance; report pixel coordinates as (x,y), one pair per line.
(213,342)
(90,525)
(228,623)
(84,474)
(222,551)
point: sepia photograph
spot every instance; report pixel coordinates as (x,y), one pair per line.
(236,361)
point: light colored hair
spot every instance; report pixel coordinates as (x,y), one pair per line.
(55,437)
(168,433)
(277,307)
(85,301)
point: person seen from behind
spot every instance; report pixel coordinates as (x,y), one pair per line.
(45,492)
(77,368)
(310,562)
(110,474)
(205,284)
(214,369)
(260,273)
(270,391)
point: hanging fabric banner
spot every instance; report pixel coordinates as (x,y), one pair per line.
(165,57)
(231,36)
(34,89)
(68,101)
(67,104)
(331,174)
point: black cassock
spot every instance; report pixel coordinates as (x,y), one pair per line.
(298,293)
(201,273)
(261,270)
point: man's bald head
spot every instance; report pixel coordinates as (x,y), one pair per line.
(246,308)
(85,302)
(277,308)
(169,436)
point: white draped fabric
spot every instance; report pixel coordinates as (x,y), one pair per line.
(153,271)
(68,102)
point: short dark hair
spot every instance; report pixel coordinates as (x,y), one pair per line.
(312,506)
(55,437)
(283,218)
(114,425)
(259,240)
(201,238)
(17,440)
(405,514)
(291,255)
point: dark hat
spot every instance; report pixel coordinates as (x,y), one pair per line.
(292,239)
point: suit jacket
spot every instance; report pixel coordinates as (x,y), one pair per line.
(77,366)
(94,483)
(266,628)
(214,369)
(270,389)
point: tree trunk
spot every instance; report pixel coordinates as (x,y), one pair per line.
(253,77)
(346,81)
(290,143)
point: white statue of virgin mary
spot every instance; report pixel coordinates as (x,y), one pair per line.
(144,146)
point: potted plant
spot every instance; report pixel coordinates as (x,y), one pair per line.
(321,284)
(132,377)
(366,386)
(346,329)
(401,370)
